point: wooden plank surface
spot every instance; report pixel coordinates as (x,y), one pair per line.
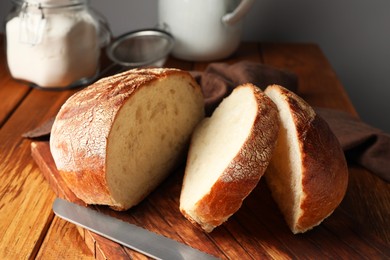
(359,228)
(257,230)
(25,196)
(12,92)
(318,83)
(63,249)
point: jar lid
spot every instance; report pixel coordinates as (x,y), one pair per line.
(51,3)
(141,48)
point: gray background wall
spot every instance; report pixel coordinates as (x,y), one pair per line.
(354,35)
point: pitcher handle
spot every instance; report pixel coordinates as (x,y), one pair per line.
(241,10)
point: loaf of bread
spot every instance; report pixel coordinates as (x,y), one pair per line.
(228,155)
(308,174)
(116,140)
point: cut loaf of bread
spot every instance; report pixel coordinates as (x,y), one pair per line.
(308,174)
(116,140)
(228,155)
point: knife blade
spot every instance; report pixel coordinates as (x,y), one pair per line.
(126,234)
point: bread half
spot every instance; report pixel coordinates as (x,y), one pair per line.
(116,140)
(228,155)
(308,174)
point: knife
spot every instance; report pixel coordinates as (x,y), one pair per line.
(126,234)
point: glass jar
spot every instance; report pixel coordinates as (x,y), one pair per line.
(55,43)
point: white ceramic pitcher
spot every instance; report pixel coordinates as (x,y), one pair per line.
(204,30)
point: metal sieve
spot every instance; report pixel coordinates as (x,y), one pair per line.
(141,48)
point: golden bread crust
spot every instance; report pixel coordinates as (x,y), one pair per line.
(324,171)
(82,127)
(325,174)
(244,171)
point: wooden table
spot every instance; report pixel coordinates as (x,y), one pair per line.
(29,229)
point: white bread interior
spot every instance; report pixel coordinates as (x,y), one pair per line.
(116,140)
(308,174)
(286,163)
(148,136)
(216,142)
(216,157)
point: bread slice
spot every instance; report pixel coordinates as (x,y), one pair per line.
(228,155)
(116,140)
(308,174)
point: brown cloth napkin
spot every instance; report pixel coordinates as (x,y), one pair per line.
(362,144)
(219,79)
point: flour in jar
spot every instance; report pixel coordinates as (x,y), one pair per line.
(68,49)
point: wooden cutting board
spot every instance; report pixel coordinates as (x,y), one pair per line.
(256,231)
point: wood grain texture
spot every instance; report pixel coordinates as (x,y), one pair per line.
(318,83)
(359,228)
(256,231)
(71,245)
(25,196)
(12,93)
